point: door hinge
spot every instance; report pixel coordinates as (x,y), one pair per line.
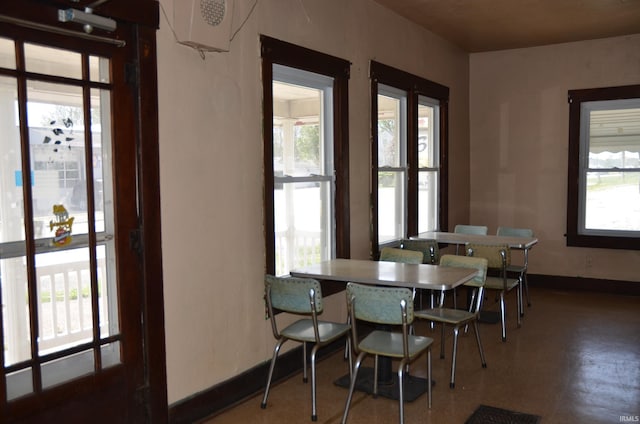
(142,398)
(131,74)
(135,240)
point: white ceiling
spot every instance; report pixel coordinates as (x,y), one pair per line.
(486,25)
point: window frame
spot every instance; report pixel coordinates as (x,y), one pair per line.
(576,235)
(416,88)
(278,52)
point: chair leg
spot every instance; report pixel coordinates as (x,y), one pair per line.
(503,317)
(314,411)
(442,341)
(429,382)
(305,377)
(352,385)
(452,383)
(477,331)
(375,376)
(276,349)
(401,390)
(526,288)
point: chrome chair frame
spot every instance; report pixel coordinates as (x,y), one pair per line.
(385,306)
(301,296)
(499,258)
(458,318)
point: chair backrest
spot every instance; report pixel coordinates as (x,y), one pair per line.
(471,229)
(514,232)
(380,305)
(429,248)
(478,263)
(294,295)
(393,254)
(498,255)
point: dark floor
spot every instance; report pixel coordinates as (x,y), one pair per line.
(576,359)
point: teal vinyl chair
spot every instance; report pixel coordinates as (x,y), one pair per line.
(480,230)
(498,258)
(456,317)
(429,248)
(384,306)
(394,254)
(300,296)
(431,255)
(520,269)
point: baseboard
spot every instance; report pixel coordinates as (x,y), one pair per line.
(243,386)
(627,288)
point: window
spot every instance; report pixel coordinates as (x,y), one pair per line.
(306,156)
(409,121)
(603,207)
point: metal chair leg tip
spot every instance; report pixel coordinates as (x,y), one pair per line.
(484,365)
(314,418)
(305,380)
(263,405)
(452,385)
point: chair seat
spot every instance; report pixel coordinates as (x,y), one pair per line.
(302,330)
(446,315)
(516,268)
(390,344)
(496,283)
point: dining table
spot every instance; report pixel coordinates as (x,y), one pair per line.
(394,274)
(518,243)
(460,239)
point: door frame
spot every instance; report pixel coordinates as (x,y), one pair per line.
(140,18)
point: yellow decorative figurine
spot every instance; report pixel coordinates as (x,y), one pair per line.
(62,224)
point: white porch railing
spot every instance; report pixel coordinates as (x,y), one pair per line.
(296,249)
(64,300)
(64,309)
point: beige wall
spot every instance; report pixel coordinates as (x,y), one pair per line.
(212,177)
(519,143)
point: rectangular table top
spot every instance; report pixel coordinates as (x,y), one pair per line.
(521,243)
(423,276)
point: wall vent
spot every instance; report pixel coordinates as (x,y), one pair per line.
(203,24)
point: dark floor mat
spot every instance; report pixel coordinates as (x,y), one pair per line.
(490,415)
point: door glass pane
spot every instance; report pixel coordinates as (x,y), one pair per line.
(7,54)
(52,61)
(56,136)
(15,311)
(99,69)
(11,178)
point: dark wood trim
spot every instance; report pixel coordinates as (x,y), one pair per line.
(244,386)
(618,287)
(576,98)
(414,86)
(155,379)
(275,51)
